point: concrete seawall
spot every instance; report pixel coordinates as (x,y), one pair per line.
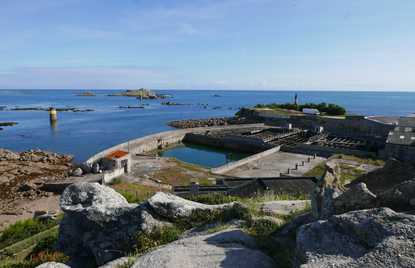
(245,161)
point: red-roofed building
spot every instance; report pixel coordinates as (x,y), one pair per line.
(118,162)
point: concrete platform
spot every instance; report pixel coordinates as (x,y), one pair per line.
(275,164)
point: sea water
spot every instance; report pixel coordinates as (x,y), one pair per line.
(84,134)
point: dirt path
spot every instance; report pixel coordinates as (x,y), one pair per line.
(26,208)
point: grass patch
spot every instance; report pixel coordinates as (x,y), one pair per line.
(361,160)
(40,253)
(317,171)
(189,166)
(212,199)
(144,241)
(348,172)
(136,193)
(21,230)
(172,176)
(182,174)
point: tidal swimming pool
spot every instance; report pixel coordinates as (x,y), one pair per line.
(203,155)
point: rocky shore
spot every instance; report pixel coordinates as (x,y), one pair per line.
(22,175)
(220,121)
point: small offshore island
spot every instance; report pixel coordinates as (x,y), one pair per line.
(141,94)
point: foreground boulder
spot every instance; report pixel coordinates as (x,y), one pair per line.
(376,237)
(230,248)
(174,207)
(100,224)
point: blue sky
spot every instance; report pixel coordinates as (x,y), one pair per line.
(213,44)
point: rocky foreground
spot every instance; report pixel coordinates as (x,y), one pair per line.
(356,228)
(22,175)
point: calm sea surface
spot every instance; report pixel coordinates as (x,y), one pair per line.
(84,134)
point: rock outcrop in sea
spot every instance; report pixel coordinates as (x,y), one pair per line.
(141,94)
(346,228)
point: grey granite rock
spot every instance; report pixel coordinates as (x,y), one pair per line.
(376,237)
(100,223)
(174,207)
(325,191)
(284,207)
(229,248)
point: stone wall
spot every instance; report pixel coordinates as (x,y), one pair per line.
(401,152)
(250,145)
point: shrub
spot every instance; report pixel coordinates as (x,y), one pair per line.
(46,244)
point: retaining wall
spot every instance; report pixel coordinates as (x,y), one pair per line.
(250,145)
(321,150)
(245,161)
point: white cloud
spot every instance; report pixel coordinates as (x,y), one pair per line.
(223,83)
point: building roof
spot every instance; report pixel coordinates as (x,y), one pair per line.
(279,185)
(249,187)
(404,132)
(384,119)
(116,154)
(406,121)
(401,137)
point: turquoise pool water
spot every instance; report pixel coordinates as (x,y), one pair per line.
(203,155)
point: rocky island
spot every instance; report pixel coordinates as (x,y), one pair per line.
(86,94)
(141,94)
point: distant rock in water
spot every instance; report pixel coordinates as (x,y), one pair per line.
(7,124)
(141,94)
(86,94)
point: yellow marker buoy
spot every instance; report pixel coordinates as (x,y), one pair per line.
(52,115)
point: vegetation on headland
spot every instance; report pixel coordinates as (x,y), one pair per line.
(330,109)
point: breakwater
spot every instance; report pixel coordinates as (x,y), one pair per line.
(209,122)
